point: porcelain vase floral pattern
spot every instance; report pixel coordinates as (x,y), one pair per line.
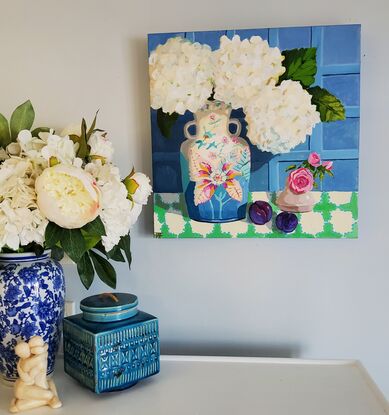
(32,292)
(215,166)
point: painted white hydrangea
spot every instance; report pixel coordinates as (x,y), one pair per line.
(118,213)
(244,67)
(280,117)
(181,74)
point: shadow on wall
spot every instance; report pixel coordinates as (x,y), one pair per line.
(222,349)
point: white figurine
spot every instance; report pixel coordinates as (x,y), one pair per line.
(32,389)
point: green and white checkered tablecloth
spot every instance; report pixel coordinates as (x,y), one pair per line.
(335,215)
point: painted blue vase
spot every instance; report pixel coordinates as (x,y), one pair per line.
(32,293)
(111,345)
(215,166)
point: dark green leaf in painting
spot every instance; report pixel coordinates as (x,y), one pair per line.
(85,270)
(104,269)
(329,106)
(125,244)
(35,132)
(96,227)
(22,119)
(300,65)
(53,234)
(5,137)
(57,253)
(116,254)
(73,244)
(165,122)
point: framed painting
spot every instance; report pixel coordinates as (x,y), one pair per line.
(255,133)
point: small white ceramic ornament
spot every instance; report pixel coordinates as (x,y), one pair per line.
(32,389)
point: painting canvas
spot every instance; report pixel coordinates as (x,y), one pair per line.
(255,133)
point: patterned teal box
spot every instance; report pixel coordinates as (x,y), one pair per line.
(111,356)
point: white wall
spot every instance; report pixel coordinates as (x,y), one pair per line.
(304,298)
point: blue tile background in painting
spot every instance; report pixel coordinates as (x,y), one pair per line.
(338,59)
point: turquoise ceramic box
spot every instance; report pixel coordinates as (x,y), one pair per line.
(111,345)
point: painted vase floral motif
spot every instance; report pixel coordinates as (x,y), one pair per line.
(215,166)
(32,292)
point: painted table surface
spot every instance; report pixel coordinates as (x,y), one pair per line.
(335,215)
(223,385)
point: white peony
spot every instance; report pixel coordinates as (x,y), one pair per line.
(280,117)
(100,146)
(62,149)
(68,196)
(181,75)
(118,213)
(244,67)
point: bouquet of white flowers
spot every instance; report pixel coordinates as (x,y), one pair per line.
(62,192)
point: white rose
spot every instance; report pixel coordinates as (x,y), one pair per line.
(100,146)
(68,196)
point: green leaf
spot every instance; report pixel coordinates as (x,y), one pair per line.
(166,122)
(90,240)
(104,269)
(53,234)
(300,65)
(85,270)
(73,244)
(125,244)
(116,254)
(92,127)
(82,151)
(293,166)
(329,106)
(22,119)
(96,227)
(35,132)
(330,173)
(57,253)
(5,137)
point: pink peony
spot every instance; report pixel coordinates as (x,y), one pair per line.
(327,165)
(300,181)
(314,159)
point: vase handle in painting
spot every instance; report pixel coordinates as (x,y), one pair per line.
(236,122)
(187,134)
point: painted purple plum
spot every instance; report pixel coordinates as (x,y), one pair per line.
(260,212)
(286,222)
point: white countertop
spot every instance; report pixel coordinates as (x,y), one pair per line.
(193,385)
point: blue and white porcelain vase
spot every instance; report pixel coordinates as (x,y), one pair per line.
(32,297)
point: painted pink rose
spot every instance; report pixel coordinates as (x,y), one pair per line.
(327,165)
(300,181)
(314,159)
